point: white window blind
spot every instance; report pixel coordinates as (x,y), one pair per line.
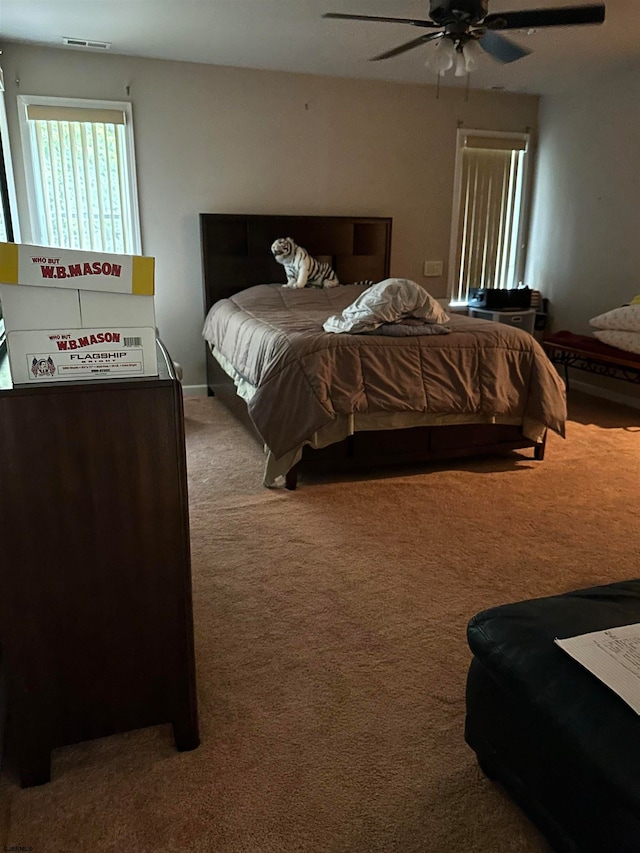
(9,230)
(4,236)
(8,207)
(490,202)
(80,166)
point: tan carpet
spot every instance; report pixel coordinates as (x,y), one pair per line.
(331,652)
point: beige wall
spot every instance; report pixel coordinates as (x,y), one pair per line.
(229,140)
(584,248)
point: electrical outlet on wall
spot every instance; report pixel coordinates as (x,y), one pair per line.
(432,269)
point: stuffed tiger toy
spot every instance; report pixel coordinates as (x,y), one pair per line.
(302,270)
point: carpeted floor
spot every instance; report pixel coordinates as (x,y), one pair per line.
(331,652)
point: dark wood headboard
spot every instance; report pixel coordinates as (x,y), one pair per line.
(236,249)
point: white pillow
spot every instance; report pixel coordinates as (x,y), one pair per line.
(625,319)
(629,341)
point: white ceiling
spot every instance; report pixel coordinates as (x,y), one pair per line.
(291,35)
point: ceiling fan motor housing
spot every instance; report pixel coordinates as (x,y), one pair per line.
(444,11)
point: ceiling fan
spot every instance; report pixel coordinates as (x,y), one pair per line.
(463,25)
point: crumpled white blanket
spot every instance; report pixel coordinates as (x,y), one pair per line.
(387,301)
(410,327)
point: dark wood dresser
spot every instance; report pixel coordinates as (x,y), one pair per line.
(96,624)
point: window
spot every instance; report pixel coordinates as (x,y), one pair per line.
(6,226)
(80,171)
(9,231)
(489,204)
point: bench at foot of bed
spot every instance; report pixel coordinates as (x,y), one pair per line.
(584,352)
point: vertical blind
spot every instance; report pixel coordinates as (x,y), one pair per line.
(6,230)
(489,217)
(81,177)
(5,221)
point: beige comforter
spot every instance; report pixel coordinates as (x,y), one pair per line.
(302,378)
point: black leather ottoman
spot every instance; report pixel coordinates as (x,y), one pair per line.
(561,743)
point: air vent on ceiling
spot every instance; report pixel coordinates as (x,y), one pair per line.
(97,45)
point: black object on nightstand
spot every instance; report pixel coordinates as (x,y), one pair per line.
(500,298)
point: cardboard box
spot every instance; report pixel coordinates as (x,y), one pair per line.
(27,308)
(116,309)
(101,304)
(86,354)
(41,308)
(75,269)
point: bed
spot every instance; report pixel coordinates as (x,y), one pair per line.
(315,399)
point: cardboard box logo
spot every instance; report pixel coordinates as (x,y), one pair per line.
(42,266)
(54,356)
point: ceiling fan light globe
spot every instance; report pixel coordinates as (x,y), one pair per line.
(470,65)
(461,66)
(441,58)
(440,64)
(447,47)
(471,52)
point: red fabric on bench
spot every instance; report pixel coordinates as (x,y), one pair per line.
(585,343)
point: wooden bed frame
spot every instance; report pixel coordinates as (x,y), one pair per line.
(236,254)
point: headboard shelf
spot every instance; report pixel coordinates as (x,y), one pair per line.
(236,248)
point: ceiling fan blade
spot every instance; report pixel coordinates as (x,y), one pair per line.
(501,48)
(415,22)
(407,46)
(565,16)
